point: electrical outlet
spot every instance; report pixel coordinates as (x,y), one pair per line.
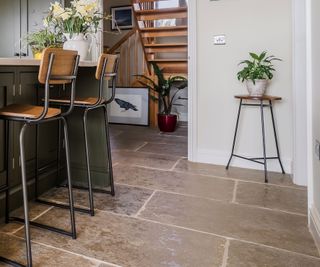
(317,149)
(219,39)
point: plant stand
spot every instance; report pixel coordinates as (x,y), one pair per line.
(262,105)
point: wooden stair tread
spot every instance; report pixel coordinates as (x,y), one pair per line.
(161,10)
(167,28)
(163,13)
(27,111)
(168,60)
(166,45)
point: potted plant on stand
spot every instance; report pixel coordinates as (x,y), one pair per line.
(257,73)
(163,87)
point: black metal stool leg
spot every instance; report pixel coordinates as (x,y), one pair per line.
(91,204)
(71,205)
(36,191)
(25,196)
(275,136)
(264,143)
(59,152)
(235,135)
(109,150)
(7,192)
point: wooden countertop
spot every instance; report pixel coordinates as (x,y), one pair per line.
(15,61)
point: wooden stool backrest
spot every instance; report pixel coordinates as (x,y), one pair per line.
(111,67)
(63,65)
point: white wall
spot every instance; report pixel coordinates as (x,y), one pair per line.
(313,15)
(249,25)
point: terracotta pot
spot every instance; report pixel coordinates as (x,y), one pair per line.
(167,123)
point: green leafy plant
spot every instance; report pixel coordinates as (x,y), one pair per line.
(162,87)
(259,67)
(43,38)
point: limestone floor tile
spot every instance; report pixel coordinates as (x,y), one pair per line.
(14,248)
(250,255)
(267,227)
(127,200)
(165,162)
(234,173)
(274,197)
(167,149)
(35,209)
(128,241)
(126,144)
(183,183)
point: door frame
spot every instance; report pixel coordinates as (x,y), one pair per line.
(192,82)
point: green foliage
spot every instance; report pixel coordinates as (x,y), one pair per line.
(259,67)
(44,38)
(163,87)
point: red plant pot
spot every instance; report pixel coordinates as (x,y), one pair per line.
(167,123)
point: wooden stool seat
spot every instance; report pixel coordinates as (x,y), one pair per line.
(89,101)
(264,97)
(27,111)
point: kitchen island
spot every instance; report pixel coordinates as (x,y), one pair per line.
(19,84)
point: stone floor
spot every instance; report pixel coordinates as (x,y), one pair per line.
(170,212)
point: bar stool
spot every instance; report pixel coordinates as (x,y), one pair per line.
(57,67)
(106,70)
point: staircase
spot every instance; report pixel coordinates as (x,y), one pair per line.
(163,31)
(162,26)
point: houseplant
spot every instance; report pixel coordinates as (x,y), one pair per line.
(257,72)
(75,23)
(41,39)
(163,87)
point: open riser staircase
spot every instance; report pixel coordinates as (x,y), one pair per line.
(162,25)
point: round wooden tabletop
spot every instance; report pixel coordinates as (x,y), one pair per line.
(264,97)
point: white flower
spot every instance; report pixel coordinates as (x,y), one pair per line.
(56,9)
(65,15)
(45,23)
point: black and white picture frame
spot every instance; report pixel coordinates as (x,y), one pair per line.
(130,106)
(122,17)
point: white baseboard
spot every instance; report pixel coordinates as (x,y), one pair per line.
(222,157)
(314,225)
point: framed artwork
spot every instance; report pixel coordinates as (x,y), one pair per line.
(122,17)
(130,106)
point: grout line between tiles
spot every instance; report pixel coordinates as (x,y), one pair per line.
(214,199)
(66,251)
(144,205)
(207,233)
(240,180)
(138,148)
(115,164)
(175,165)
(234,195)
(226,253)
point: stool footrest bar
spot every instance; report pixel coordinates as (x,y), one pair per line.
(43,226)
(96,190)
(11,262)
(64,206)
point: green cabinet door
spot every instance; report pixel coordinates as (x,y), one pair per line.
(26,93)
(6,95)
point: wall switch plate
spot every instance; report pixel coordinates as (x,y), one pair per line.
(317,149)
(219,39)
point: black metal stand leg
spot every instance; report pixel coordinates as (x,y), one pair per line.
(36,191)
(109,150)
(276,136)
(25,196)
(72,217)
(264,143)
(7,192)
(91,204)
(235,135)
(59,152)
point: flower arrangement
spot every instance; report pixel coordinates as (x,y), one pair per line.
(81,17)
